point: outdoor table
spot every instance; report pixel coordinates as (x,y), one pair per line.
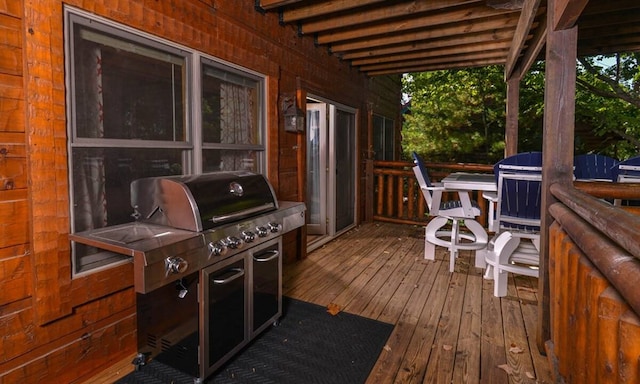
(485,182)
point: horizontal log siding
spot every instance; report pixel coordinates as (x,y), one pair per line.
(58,329)
(594,297)
(397,195)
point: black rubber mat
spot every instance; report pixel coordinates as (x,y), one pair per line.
(309,346)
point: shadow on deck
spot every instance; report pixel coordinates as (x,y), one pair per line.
(449,328)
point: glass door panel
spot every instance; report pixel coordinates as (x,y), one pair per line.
(316,168)
(344,145)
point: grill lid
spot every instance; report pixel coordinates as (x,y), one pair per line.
(201,202)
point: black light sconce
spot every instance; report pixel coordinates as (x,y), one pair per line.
(293,116)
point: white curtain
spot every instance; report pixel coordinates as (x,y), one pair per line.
(91,203)
(236,122)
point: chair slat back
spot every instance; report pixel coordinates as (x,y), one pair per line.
(593,166)
(420,170)
(627,171)
(520,191)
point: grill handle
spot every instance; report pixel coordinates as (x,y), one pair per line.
(241,214)
(239,272)
(267,256)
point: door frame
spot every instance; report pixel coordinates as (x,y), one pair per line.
(332,106)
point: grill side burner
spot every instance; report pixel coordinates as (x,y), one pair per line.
(198,242)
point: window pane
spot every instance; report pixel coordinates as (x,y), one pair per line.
(124,90)
(230,160)
(101,179)
(378,137)
(229,108)
(383,138)
(388,139)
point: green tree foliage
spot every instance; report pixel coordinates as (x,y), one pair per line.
(455,114)
(608,102)
(459,115)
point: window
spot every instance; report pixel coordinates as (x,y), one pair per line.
(130,109)
(383,138)
(231,134)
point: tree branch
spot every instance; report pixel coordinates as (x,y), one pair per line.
(627,137)
(616,92)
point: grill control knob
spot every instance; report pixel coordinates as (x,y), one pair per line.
(175,265)
(248,236)
(217,248)
(234,242)
(262,231)
(274,227)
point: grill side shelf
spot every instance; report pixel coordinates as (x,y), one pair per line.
(133,239)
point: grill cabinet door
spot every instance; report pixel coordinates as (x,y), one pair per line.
(267,277)
(225,317)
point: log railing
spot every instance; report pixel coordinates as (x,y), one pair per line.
(594,270)
(396,194)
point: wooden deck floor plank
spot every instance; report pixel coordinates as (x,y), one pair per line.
(391,298)
(342,290)
(492,348)
(421,274)
(428,309)
(527,288)
(540,362)
(369,257)
(384,284)
(467,363)
(442,359)
(411,343)
(515,340)
(315,283)
(296,274)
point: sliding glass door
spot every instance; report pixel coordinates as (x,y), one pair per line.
(331,165)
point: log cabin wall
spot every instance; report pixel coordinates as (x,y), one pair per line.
(57,329)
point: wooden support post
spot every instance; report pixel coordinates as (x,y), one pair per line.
(557,147)
(513,110)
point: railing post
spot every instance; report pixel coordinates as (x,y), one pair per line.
(368,190)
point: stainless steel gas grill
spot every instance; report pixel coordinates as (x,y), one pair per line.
(207,264)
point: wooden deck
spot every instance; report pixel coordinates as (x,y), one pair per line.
(449,328)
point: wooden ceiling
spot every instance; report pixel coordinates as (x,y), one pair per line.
(397,36)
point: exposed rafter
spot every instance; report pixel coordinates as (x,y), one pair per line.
(384,37)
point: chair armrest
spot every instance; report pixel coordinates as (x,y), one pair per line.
(491,196)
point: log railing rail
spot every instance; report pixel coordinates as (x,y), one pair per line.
(594,267)
(396,194)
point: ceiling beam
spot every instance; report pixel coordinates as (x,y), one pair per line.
(437,67)
(271,4)
(617,30)
(629,43)
(527,17)
(498,55)
(445,42)
(609,20)
(296,13)
(397,10)
(460,28)
(535,45)
(601,7)
(469,15)
(566,13)
(440,52)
